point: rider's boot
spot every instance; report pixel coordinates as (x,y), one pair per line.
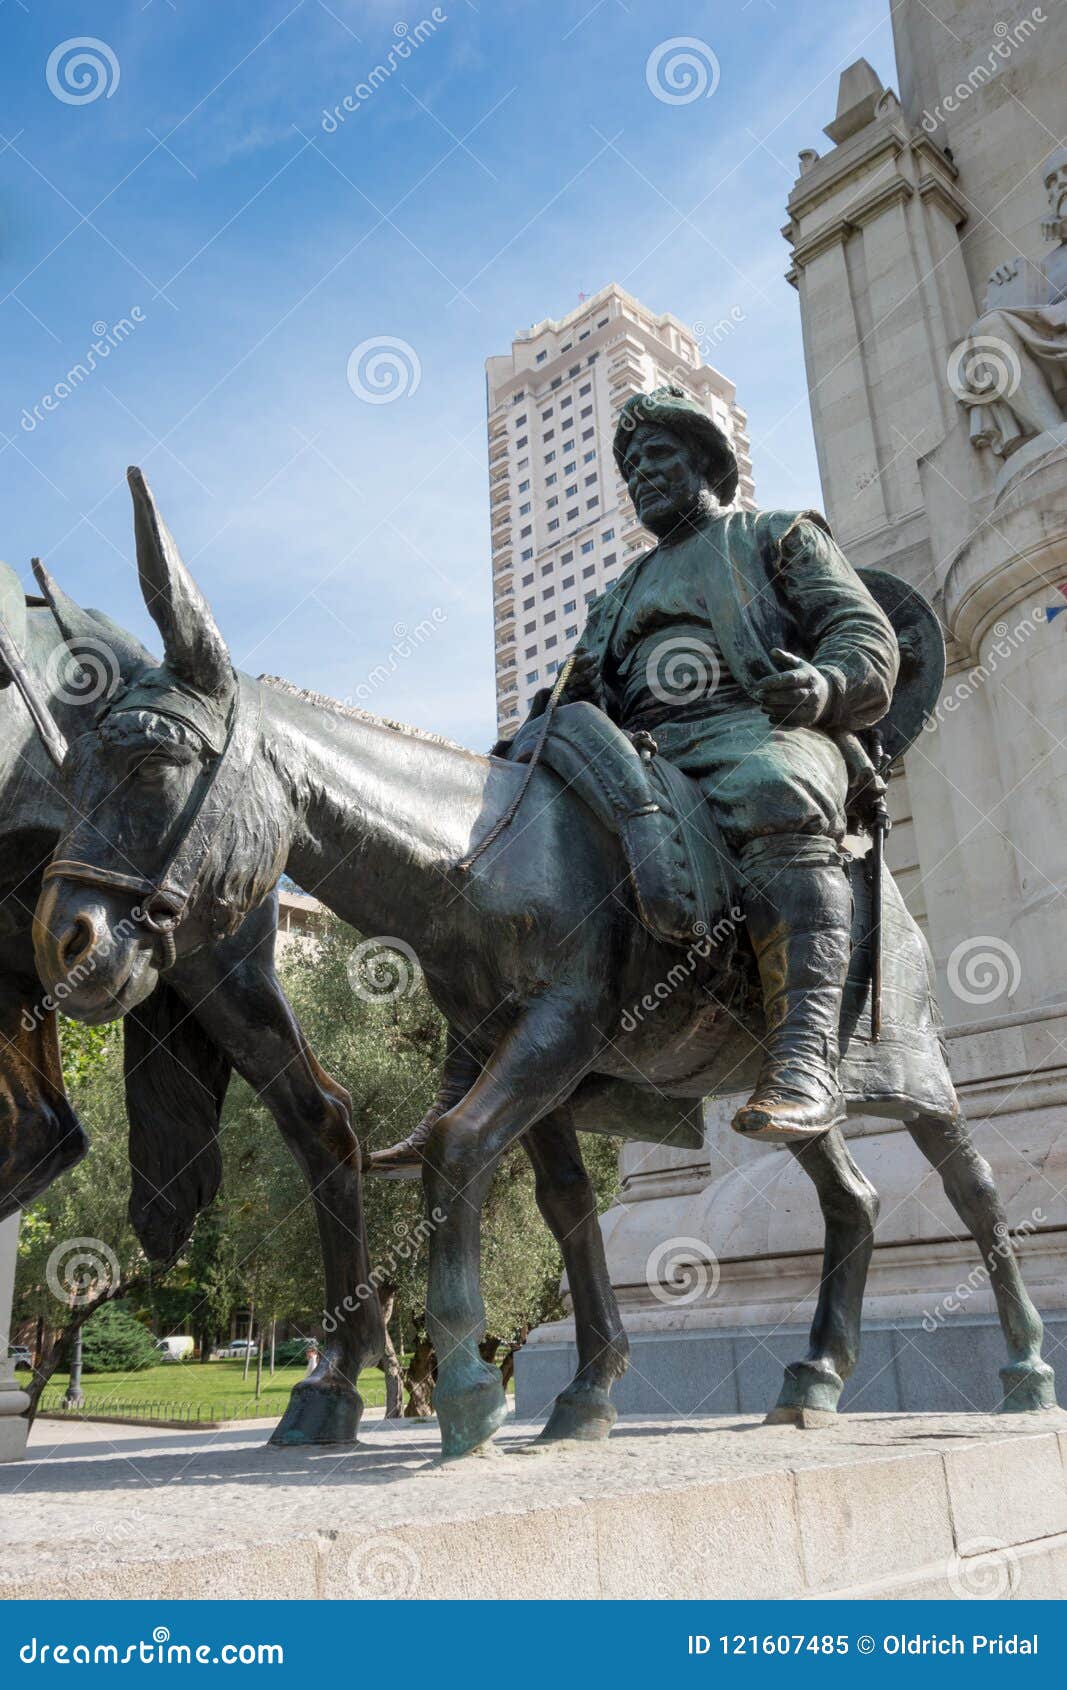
(798,909)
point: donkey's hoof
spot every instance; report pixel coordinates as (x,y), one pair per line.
(807,1419)
(469,1414)
(319,1414)
(809,1387)
(581,1414)
(1028,1385)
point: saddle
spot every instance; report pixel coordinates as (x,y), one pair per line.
(680,871)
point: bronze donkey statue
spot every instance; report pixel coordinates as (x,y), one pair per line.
(197,787)
(218,1010)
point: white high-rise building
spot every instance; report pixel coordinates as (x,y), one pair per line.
(562,524)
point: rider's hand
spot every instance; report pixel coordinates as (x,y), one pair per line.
(797,697)
(583,682)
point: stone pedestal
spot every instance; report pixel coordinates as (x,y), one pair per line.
(13,1401)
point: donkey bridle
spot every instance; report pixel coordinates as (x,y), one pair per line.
(165,901)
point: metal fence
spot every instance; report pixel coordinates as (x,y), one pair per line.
(188,1413)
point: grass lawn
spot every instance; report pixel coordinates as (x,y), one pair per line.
(217,1389)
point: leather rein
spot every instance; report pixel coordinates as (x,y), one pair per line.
(166,900)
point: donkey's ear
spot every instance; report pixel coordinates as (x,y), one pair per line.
(192,644)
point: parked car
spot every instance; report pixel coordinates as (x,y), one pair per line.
(175,1348)
(20,1355)
(237,1350)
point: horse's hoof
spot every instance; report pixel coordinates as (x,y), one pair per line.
(1028,1385)
(469,1414)
(581,1414)
(319,1414)
(809,1387)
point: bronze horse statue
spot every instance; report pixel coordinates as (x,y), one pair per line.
(219,1010)
(197,787)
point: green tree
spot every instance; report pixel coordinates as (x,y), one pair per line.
(114,1342)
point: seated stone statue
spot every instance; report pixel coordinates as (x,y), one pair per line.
(1011,371)
(745,644)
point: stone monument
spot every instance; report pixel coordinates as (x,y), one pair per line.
(924,226)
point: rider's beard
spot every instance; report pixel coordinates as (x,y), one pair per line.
(672,523)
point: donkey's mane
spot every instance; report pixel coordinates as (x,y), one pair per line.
(324,702)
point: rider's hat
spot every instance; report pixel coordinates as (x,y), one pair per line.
(668,407)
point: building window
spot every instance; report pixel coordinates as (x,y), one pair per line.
(550,616)
(524,486)
(568,581)
(524,533)
(552,667)
(548,592)
(591,504)
(527,580)
(588,433)
(531,651)
(589,457)
(549,434)
(520,421)
(523,442)
(546,414)
(590,569)
(568,422)
(555,381)
(590,481)
(551,642)
(609,559)
(574,369)
(565,402)
(589,597)
(570,633)
(553,525)
(529,627)
(541,356)
(592,358)
(550,480)
(523,463)
(587,411)
(585,390)
(584,335)
(527,604)
(534,675)
(608,534)
(603,323)
(587,546)
(550,457)
(569,607)
(546,569)
(550,504)
(572,516)
(527,555)
(568,557)
(524,510)
(569,492)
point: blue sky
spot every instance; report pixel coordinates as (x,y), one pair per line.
(515,158)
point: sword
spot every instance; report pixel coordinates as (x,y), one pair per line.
(880,825)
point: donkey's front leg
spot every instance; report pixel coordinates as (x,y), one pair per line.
(245,1010)
(535,1067)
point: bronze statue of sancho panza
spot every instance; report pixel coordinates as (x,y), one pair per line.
(746,645)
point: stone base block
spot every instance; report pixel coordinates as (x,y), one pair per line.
(707,1508)
(738,1370)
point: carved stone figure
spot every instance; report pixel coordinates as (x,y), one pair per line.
(1011,371)
(219,1009)
(546,901)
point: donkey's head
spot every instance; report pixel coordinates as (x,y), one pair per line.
(174,817)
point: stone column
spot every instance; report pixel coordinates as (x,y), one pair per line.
(13,1401)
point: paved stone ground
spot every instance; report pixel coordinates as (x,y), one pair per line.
(723,1506)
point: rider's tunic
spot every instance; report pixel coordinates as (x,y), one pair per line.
(687,632)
